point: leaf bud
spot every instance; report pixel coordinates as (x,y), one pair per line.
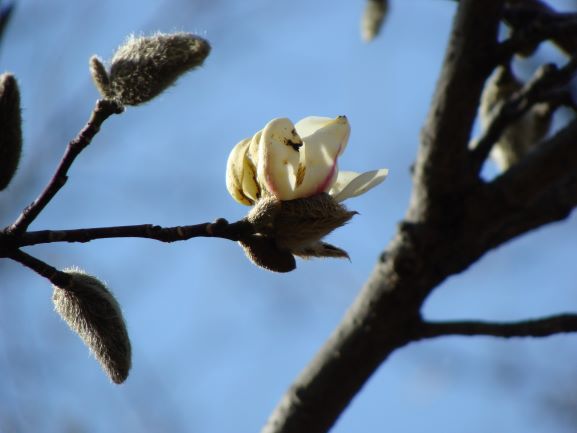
(143,67)
(90,310)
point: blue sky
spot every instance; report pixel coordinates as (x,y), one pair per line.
(216,341)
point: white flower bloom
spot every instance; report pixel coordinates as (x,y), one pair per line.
(296,161)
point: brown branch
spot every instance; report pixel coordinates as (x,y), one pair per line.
(440,170)
(543,327)
(56,277)
(544,87)
(534,21)
(102,110)
(218,229)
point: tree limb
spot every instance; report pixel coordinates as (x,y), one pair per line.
(218,229)
(543,327)
(386,313)
(101,112)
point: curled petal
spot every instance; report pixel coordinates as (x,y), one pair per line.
(241,174)
(324,140)
(350,184)
(278,158)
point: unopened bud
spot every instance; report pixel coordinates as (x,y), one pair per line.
(143,67)
(91,311)
(373,17)
(10,129)
(295,226)
(523,134)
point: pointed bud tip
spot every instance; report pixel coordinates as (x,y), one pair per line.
(143,67)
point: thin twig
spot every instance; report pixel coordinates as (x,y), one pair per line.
(218,229)
(543,87)
(543,327)
(102,110)
(56,277)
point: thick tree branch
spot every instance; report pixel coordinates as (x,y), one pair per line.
(103,110)
(543,327)
(218,229)
(386,314)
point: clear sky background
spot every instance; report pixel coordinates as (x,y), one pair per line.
(216,341)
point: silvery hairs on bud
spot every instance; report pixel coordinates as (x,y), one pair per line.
(373,18)
(143,67)
(522,134)
(296,226)
(91,311)
(10,129)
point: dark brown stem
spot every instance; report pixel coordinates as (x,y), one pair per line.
(542,327)
(103,110)
(56,277)
(218,229)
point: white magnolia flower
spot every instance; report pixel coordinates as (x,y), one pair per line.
(290,174)
(296,161)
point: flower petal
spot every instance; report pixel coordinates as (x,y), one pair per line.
(309,125)
(350,184)
(278,158)
(240,175)
(322,146)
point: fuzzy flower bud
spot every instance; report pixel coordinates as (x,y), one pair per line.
(10,129)
(524,133)
(143,67)
(90,310)
(289,174)
(373,17)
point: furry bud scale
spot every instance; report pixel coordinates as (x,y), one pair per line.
(90,310)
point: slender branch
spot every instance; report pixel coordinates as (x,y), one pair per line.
(102,110)
(56,277)
(542,327)
(218,229)
(543,87)
(534,21)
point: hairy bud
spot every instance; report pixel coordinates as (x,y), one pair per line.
(524,133)
(373,17)
(144,67)
(91,311)
(294,227)
(264,252)
(10,129)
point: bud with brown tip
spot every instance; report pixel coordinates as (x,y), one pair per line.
(10,129)
(90,310)
(143,67)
